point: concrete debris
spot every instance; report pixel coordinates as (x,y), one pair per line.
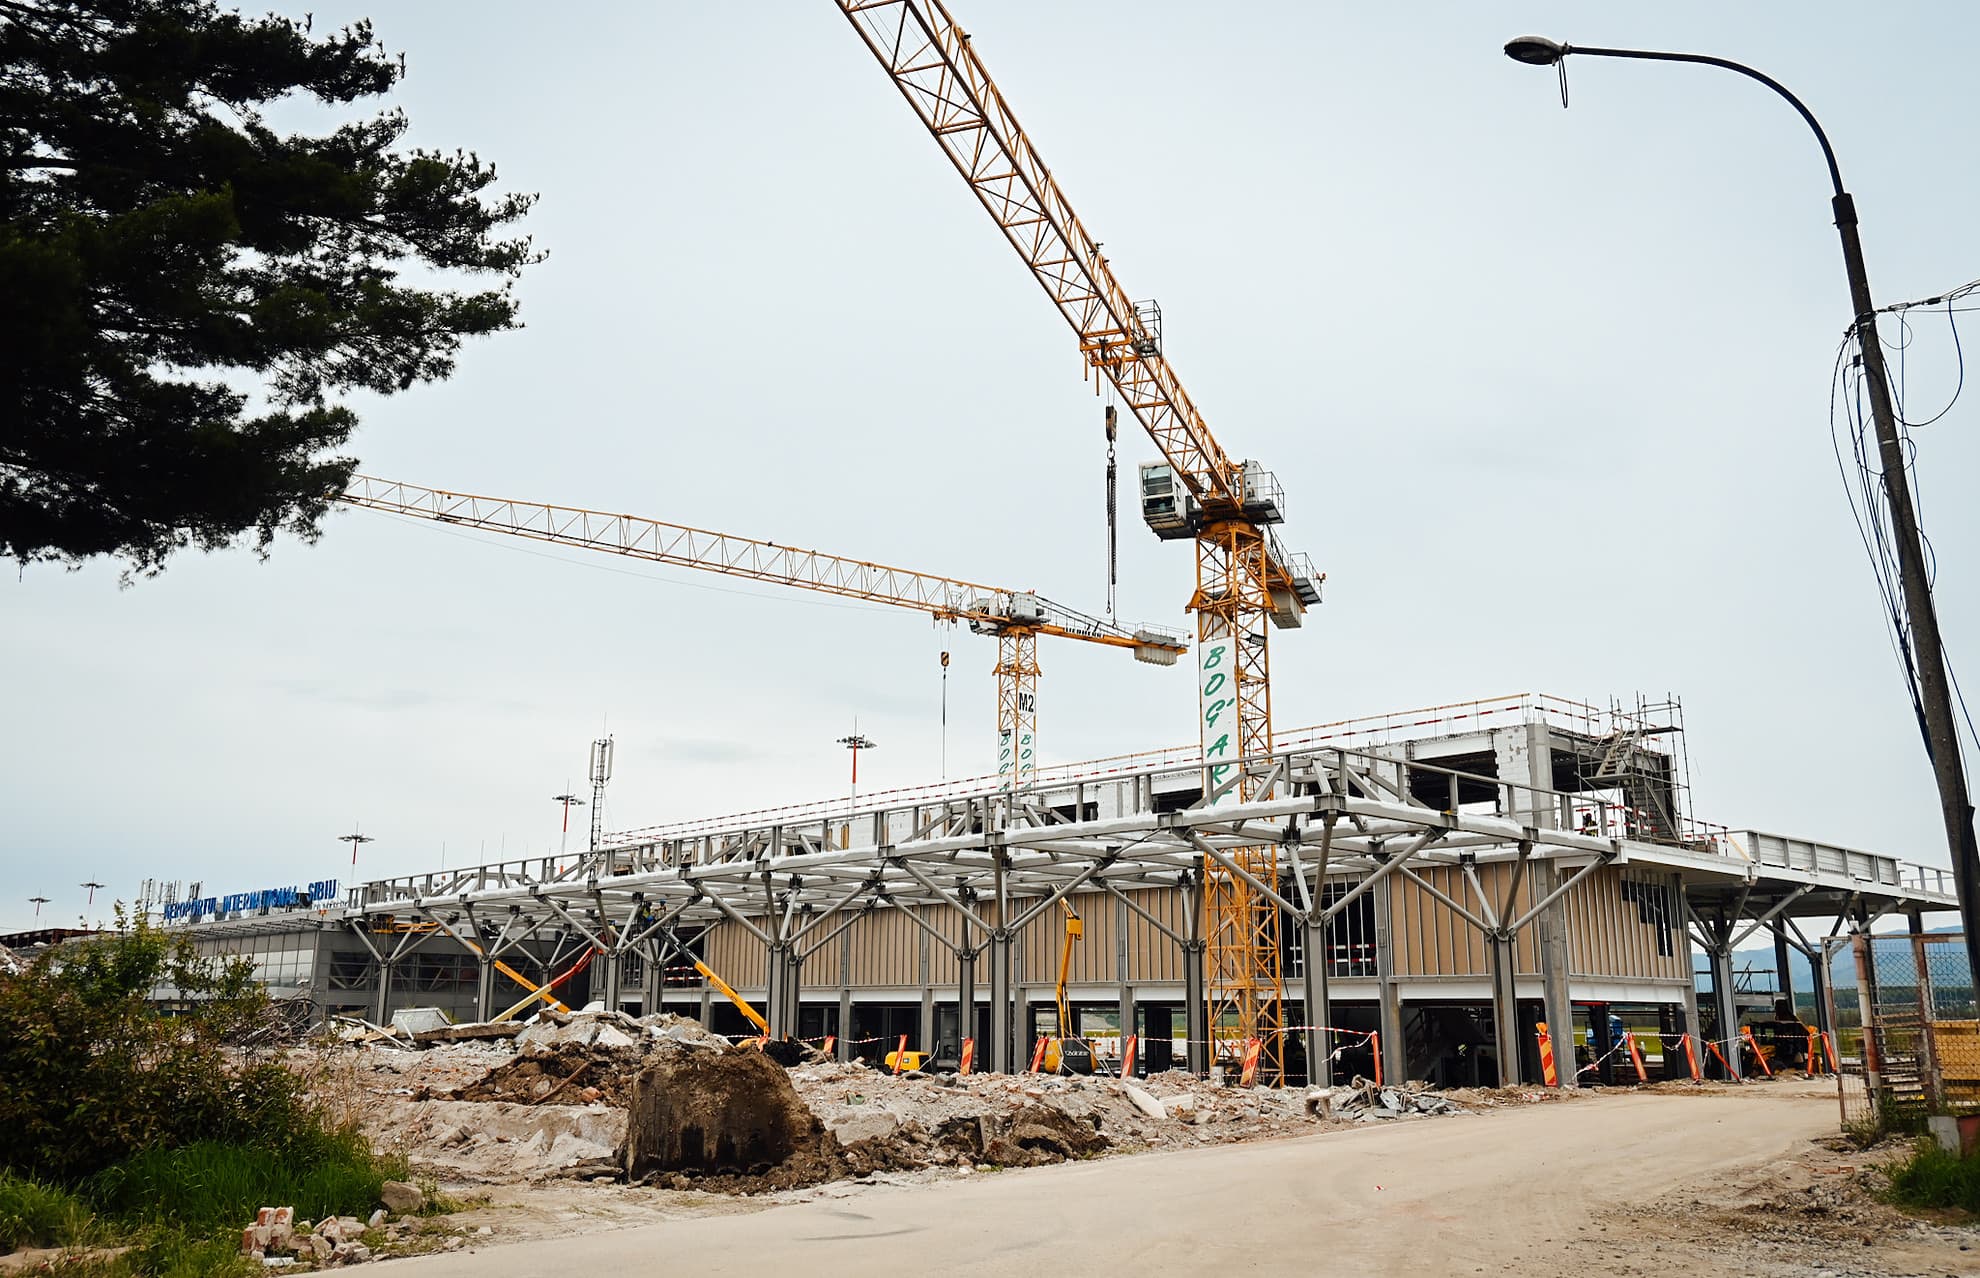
(418,1020)
(565,1100)
(400,1199)
(277,1239)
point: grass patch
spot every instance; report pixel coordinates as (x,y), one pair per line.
(1933,1177)
(37,1215)
(211,1186)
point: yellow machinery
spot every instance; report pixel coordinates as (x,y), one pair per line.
(1245,581)
(1015,617)
(1068,1053)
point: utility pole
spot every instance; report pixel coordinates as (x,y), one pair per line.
(1925,652)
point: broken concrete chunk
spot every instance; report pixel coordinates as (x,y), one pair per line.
(400,1198)
(1144,1102)
(865,1125)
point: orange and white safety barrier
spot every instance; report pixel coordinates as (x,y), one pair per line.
(1746,1031)
(831,1040)
(1038,1055)
(1253,1048)
(1691,1056)
(1829,1045)
(968,1056)
(1127,1055)
(900,1054)
(1375,1040)
(1712,1046)
(1550,1074)
(1636,1057)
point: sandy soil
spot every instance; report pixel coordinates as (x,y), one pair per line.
(1719,1180)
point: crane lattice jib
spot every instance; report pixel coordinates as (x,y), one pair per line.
(945,598)
(930,60)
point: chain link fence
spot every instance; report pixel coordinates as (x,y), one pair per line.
(1907,1031)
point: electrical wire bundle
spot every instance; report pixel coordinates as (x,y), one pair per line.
(1863,477)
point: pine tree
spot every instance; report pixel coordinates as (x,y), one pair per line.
(184,291)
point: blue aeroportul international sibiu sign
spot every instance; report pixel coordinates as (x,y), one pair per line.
(248,902)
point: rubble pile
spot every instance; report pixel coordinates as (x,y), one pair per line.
(1364,1101)
(661,1101)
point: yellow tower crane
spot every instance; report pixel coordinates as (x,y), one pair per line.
(1244,578)
(1015,617)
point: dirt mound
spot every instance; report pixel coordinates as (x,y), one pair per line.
(730,1112)
(1043,1134)
(568,1073)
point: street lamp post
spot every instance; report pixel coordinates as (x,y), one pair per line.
(1935,709)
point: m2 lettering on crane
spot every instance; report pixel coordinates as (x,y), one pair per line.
(1216,672)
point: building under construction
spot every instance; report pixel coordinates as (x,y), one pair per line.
(1447,881)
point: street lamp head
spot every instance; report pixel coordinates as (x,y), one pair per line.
(1536,51)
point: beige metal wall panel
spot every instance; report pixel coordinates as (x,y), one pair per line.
(886,951)
(1092,956)
(737,957)
(1152,957)
(943,966)
(1610,935)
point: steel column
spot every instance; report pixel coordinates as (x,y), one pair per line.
(1388,994)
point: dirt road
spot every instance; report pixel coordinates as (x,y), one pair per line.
(1546,1189)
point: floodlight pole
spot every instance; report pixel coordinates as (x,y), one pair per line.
(1926,651)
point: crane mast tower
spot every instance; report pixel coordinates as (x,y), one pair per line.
(1246,583)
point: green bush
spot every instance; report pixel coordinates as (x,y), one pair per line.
(1932,1176)
(96,1073)
(210,1186)
(36,1215)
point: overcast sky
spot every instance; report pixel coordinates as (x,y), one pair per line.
(1548,392)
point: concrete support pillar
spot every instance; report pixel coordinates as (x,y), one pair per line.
(1502,961)
(614,976)
(484,986)
(1319,1005)
(966,997)
(844,1047)
(1819,986)
(1555,997)
(653,979)
(1002,1031)
(381,1006)
(1126,990)
(1195,952)
(1388,991)
(1723,1002)
(1783,969)
(1694,1024)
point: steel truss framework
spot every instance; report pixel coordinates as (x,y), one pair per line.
(1342,824)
